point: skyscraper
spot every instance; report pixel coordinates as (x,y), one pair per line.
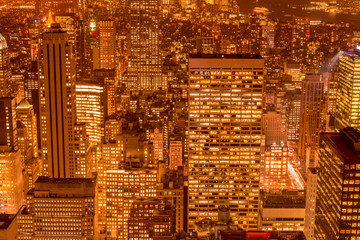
(225,112)
(312,114)
(26,115)
(57,100)
(347,102)
(107,44)
(337,213)
(106,79)
(89,109)
(5,73)
(144,70)
(8,130)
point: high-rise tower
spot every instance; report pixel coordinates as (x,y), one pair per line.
(312,114)
(57,100)
(144,71)
(337,214)
(5,73)
(347,102)
(225,112)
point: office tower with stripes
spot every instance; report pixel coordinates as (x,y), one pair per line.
(225,128)
(57,103)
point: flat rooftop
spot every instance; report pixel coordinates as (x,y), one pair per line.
(284,199)
(43,179)
(6,220)
(242,56)
(341,148)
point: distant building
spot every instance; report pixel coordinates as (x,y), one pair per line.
(144,69)
(312,114)
(107,44)
(175,154)
(150,218)
(337,208)
(273,127)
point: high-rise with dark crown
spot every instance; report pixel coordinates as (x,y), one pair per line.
(337,214)
(57,101)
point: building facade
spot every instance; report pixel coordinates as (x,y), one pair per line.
(225,128)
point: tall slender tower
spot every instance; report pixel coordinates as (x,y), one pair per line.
(312,114)
(144,71)
(57,100)
(225,128)
(4,68)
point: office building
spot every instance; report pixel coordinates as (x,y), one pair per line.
(225,128)
(274,174)
(8,133)
(273,127)
(337,200)
(282,210)
(106,79)
(59,208)
(89,109)
(157,138)
(25,114)
(312,117)
(57,101)
(144,70)
(123,187)
(347,107)
(311,185)
(107,44)
(150,218)
(5,73)
(300,40)
(11,181)
(175,154)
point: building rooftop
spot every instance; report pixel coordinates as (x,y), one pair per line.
(343,148)
(243,56)
(43,179)
(6,220)
(24,104)
(283,199)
